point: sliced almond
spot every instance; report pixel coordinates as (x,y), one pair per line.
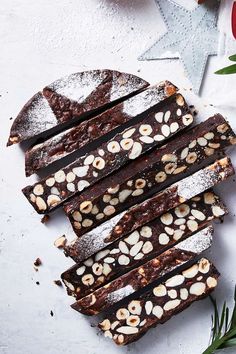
(190,272)
(167,219)
(183,294)
(123,260)
(127,330)
(146,231)
(211,282)
(123,247)
(176,280)
(160,290)
(172,304)
(158,311)
(147,247)
(136,248)
(148,307)
(197,289)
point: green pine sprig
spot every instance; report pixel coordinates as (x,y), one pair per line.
(223,327)
(231,69)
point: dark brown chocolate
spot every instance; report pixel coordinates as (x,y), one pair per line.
(157,305)
(115,291)
(72,98)
(170,198)
(52,191)
(65,143)
(147,175)
(141,245)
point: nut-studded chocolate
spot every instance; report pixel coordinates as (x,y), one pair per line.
(147,175)
(110,156)
(157,305)
(169,198)
(76,96)
(141,245)
(63,144)
(136,279)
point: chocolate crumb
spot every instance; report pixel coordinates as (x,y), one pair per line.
(57,282)
(37,262)
(60,242)
(45,219)
(51,313)
(37,282)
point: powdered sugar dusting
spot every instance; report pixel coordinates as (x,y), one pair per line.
(120,294)
(79,86)
(124,84)
(199,242)
(37,118)
(144,101)
(198,183)
(94,240)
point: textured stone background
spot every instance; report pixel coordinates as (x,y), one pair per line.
(40,42)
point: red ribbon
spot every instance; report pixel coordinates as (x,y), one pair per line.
(234,19)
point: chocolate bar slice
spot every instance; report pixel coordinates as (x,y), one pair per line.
(141,245)
(171,197)
(161,203)
(115,291)
(147,175)
(63,144)
(157,305)
(126,146)
(71,98)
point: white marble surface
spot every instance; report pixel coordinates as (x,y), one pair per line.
(41,41)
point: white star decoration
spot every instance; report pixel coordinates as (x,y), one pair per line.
(191,36)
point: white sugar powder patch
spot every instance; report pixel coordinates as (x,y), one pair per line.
(197,183)
(120,294)
(38,118)
(143,101)
(123,85)
(94,240)
(197,243)
(79,86)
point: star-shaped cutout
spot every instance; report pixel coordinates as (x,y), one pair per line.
(192,36)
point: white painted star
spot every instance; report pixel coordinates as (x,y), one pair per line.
(192,37)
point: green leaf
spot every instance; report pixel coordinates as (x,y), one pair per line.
(222,319)
(233,320)
(219,343)
(226,319)
(227,70)
(230,343)
(223,330)
(232,57)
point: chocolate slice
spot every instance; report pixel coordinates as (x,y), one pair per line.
(170,198)
(149,174)
(126,146)
(72,98)
(67,142)
(141,245)
(178,193)
(115,291)
(157,305)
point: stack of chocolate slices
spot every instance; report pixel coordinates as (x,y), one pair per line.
(137,191)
